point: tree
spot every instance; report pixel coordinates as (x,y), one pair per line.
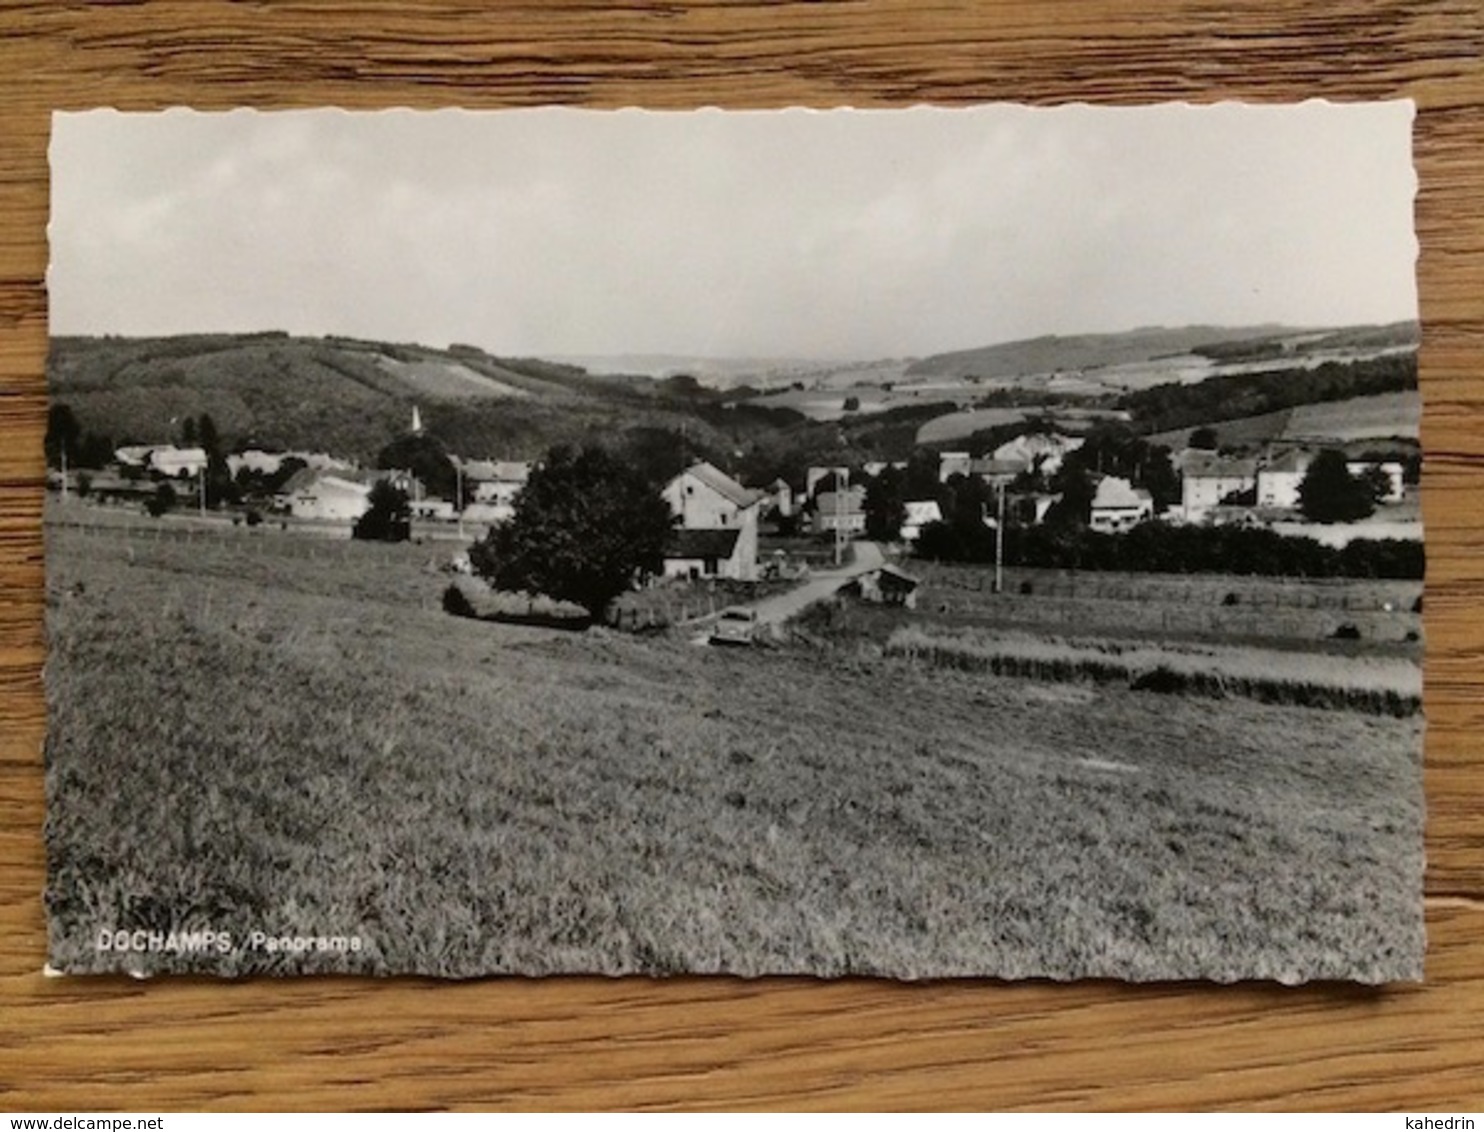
(1330,494)
(1205,438)
(424,456)
(885,506)
(584,527)
(389,516)
(62,436)
(851,404)
(161,501)
(220,486)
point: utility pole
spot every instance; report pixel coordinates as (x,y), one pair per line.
(458,492)
(842,478)
(999,539)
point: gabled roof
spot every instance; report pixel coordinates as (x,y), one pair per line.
(828,502)
(688,542)
(1211,465)
(1294,460)
(897,577)
(1115,492)
(721,483)
(498,471)
(309,479)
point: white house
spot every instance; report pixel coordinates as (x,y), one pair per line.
(1279,478)
(840,511)
(495,481)
(1209,478)
(1117,505)
(1391,469)
(1045,451)
(704,498)
(920,512)
(779,497)
(170,461)
(328,496)
(133,455)
(952,464)
(255,460)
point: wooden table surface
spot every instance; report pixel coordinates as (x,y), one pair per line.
(95,1044)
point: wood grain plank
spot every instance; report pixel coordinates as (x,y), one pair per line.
(717,1042)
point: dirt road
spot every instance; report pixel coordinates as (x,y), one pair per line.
(822,583)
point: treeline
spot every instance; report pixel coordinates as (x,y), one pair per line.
(1160,548)
(1166,407)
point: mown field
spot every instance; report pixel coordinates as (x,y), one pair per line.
(1286,613)
(248,740)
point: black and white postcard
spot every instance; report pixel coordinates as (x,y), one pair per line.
(918,544)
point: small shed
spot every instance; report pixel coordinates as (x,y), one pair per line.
(887,585)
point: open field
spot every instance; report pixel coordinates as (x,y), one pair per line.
(309,746)
(1281,613)
(1380,416)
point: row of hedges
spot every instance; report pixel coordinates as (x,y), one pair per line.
(1162,548)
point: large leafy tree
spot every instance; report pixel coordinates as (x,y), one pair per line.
(388,518)
(1330,494)
(63,435)
(585,526)
(886,508)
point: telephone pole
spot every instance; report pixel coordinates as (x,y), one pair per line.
(999,539)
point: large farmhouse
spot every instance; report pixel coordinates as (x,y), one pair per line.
(711,506)
(339,496)
(1279,478)
(1209,479)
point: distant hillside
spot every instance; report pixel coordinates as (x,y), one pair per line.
(1054,353)
(345,395)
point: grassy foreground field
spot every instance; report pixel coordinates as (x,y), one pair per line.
(242,740)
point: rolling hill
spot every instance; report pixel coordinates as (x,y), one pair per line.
(1205,346)
(343,395)
(1054,353)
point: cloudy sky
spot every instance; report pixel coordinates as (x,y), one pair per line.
(840,234)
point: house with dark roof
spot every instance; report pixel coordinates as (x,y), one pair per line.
(695,553)
(706,499)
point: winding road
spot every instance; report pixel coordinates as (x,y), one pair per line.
(775,610)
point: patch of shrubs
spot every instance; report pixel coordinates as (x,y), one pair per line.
(1347,632)
(457,603)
